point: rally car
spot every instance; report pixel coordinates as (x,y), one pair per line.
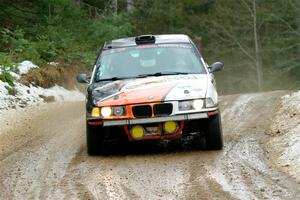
(151,87)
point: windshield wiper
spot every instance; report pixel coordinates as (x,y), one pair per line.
(161,74)
(115,78)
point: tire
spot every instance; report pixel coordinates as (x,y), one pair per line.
(95,140)
(214,134)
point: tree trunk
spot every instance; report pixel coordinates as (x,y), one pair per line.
(298,20)
(77,2)
(115,6)
(130,6)
(258,60)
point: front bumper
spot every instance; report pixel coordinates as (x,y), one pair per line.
(182,117)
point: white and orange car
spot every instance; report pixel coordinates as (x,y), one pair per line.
(151,87)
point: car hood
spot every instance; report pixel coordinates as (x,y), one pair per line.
(150,89)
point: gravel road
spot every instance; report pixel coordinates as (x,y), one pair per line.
(43,156)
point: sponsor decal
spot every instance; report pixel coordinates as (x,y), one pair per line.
(149,46)
(151,89)
(146,46)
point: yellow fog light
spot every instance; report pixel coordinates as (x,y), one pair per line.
(137,132)
(106,111)
(170,127)
(95,112)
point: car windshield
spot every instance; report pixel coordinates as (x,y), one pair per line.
(149,59)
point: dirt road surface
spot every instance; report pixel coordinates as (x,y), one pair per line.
(43,156)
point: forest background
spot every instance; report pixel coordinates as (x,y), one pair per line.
(257,40)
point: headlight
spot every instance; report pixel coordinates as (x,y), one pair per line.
(112,111)
(106,111)
(118,110)
(209,103)
(198,104)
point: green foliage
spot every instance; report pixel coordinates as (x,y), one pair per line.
(18,41)
(13,41)
(46,48)
(6,62)
(60,31)
(5,39)
(108,28)
(6,77)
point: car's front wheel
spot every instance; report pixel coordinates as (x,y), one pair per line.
(95,140)
(214,134)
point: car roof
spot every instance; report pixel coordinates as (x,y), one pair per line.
(159,39)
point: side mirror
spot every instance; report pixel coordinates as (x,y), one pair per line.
(217,66)
(82,78)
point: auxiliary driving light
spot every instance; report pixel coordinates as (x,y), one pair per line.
(170,127)
(198,104)
(95,112)
(106,111)
(137,132)
(185,105)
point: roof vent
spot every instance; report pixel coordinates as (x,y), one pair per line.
(145,39)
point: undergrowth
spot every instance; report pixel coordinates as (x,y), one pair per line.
(61,32)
